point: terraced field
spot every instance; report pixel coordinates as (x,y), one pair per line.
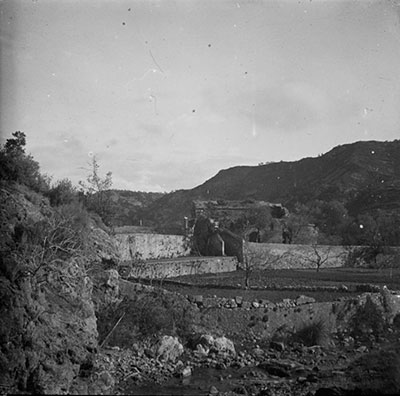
(275,285)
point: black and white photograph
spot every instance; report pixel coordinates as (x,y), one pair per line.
(200,197)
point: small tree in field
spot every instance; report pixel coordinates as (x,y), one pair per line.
(253,259)
(319,256)
(249,262)
(95,189)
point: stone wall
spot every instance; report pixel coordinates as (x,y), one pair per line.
(283,256)
(268,318)
(152,246)
(280,256)
(159,269)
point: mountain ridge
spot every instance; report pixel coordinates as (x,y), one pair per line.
(364,175)
(367,172)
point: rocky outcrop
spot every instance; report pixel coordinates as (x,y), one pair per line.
(169,348)
(207,344)
(48,327)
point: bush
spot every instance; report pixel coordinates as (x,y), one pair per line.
(315,333)
(378,372)
(147,315)
(35,247)
(363,256)
(368,320)
(62,193)
(17,166)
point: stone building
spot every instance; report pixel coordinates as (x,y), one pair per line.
(213,225)
(222,209)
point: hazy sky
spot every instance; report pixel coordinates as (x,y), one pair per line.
(167,93)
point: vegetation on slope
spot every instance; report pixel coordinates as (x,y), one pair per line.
(49,243)
(350,185)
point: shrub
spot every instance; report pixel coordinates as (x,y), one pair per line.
(62,193)
(147,315)
(367,320)
(174,316)
(17,166)
(34,247)
(315,333)
(282,333)
(363,256)
(383,368)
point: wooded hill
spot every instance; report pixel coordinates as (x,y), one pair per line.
(127,206)
(365,176)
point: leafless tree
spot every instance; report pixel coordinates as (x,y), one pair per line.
(319,255)
(254,259)
(95,188)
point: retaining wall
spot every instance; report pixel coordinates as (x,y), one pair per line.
(155,269)
(152,246)
(267,318)
(280,256)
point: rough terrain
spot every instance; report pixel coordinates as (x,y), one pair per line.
(71,324)
(346,359)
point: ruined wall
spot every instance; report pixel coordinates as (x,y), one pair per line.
(187,266)
(152,246)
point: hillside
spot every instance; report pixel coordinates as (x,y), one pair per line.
(52,288)
(363,175)
(127,206)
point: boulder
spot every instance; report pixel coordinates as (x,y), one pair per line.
(391,303)
(277,345)
(198,299)
(246,305)
(304,300)
(186,372)
(201,350)
(220,345)
(224,345)
(239,300)
(213,391)
(169,348)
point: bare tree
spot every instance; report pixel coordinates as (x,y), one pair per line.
(95,189)
(249,264)
(257,258)
(320,257)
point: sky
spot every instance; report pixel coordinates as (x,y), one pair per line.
(166,93)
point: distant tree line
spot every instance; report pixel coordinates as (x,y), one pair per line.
(337,227)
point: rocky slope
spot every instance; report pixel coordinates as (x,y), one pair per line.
(48,328)
(356,353)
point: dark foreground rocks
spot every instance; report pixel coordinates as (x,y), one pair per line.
(338,369)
